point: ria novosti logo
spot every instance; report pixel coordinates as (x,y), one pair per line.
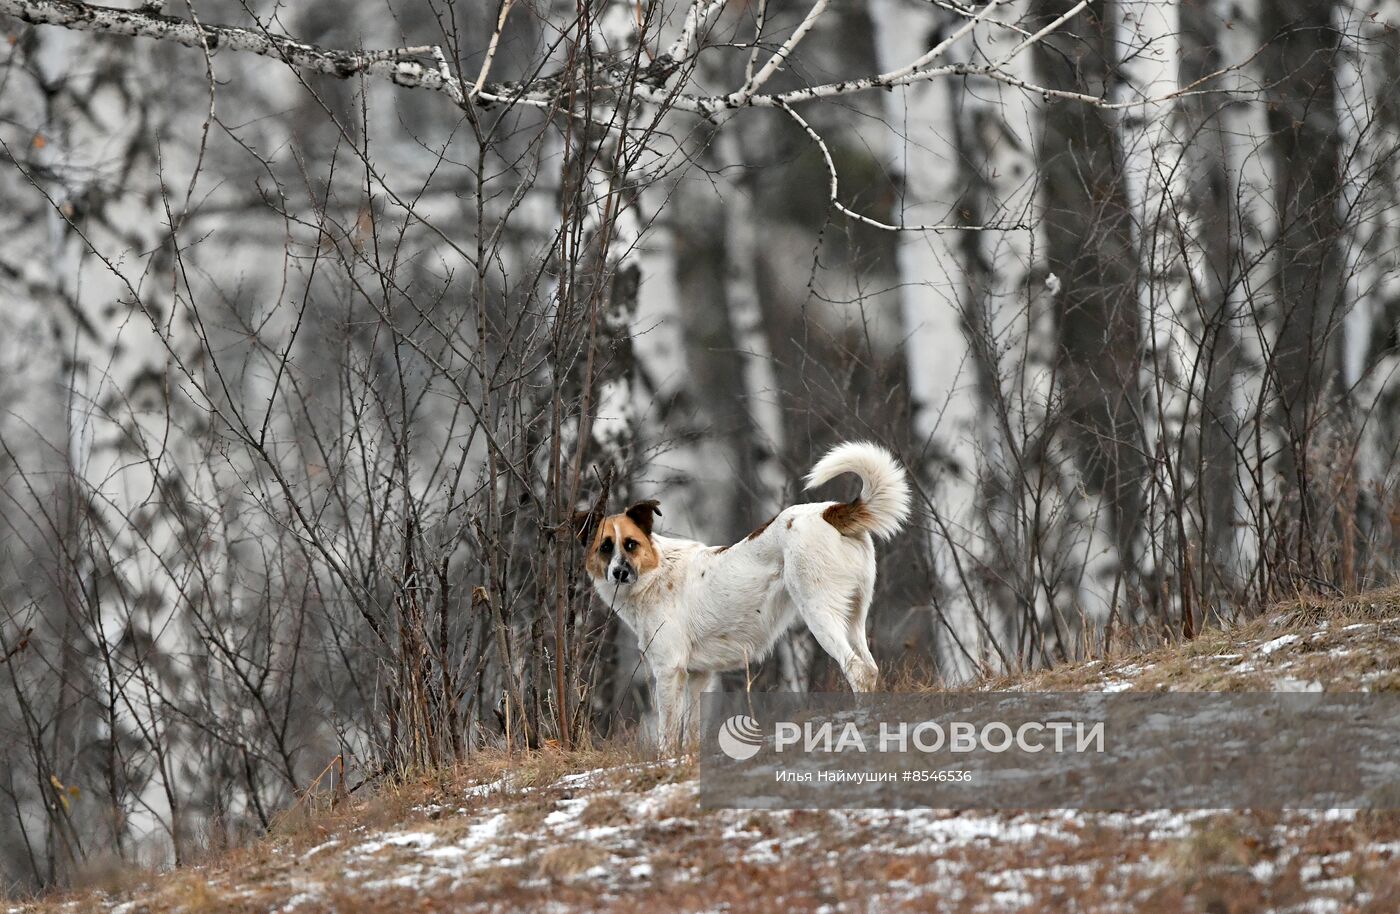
(740,737)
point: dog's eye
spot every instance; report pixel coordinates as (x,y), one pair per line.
(606,548)
(630,545)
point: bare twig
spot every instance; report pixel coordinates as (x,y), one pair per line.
(19,648)
(834,193)
(490,49)
(696,19)
(781,55)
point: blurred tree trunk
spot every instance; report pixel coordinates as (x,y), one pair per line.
(947,135)
(1299,61)
(1146,43)
(1210,128)
(730,493)
(746,325)
(1091,250)
(134,436)
(1370,122)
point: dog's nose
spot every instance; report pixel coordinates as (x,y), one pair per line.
(621,574)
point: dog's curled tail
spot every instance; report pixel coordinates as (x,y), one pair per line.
(883,504)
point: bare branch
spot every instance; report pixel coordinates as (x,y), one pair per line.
(781,55)
(834,193)
(938,49)
(396,64)
(696,18)
(490,49)
(426,67)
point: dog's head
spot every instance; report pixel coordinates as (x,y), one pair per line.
(620,550)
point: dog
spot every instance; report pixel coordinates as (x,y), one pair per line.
(699,610)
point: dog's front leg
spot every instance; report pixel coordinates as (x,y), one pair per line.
(696,685)
(670,707)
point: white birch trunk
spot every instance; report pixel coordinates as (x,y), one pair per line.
(942,373)
(760,382)
(1242,133)
(131,417)
(1033,536)
(1368,79)
(1174,373)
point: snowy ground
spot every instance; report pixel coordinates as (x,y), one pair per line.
(630,837)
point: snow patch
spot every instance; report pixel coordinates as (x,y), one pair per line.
(296,901)
(568,812)
(416,839)
(1277,644)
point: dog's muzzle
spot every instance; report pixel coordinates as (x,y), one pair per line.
(620,572)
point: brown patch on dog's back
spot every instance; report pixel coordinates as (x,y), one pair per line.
(849,519)
(761,527)
(758,531)
(620,529)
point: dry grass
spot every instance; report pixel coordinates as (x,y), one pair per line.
(1308,610)
(569,860)
(1343,644)
(605,810)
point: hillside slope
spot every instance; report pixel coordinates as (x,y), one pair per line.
(610,831)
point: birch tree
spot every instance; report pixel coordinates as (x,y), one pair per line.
(1368,120)
(1091,250)
(1303,370)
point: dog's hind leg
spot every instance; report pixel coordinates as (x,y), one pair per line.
(832,620)
(835,613)
(828,624)
(855,631)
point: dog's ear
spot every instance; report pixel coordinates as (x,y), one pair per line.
(641,514)
(586,525)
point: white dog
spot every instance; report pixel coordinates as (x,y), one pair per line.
(700,610)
